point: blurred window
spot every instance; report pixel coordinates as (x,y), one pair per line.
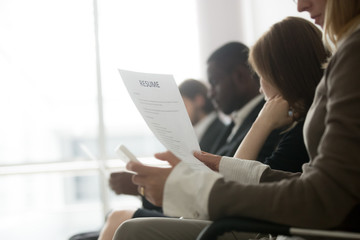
(50,105)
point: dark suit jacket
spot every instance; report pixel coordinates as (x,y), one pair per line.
(212,132)
(222,148)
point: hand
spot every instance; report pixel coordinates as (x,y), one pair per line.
(274,114)
(121,183)
(152,179)
(210,160)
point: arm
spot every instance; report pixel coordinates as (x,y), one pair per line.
(309,200)
(332,177)
(273,115)
(322,197)
(242,171)
(233,169)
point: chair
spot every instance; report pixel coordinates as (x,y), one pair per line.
(222,226)
(86,236)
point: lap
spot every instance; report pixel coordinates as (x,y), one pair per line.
(168,229)
(142,212)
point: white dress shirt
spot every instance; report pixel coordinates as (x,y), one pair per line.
(187,190)
(239,116)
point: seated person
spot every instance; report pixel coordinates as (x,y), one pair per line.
(238,190)
(202,113)
(285,90)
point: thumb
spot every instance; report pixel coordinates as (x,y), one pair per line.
(163,155)
(168,156)
(204,156)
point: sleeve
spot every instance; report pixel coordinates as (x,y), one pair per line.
(187,190)
(243,171)
(329,188)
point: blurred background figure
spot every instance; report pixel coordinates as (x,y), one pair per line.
(202,113)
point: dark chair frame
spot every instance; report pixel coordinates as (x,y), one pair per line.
(222,226)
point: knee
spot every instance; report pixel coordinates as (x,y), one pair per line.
(119,215)
(113,215)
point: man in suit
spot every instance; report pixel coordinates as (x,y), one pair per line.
(202,113)
(235,90)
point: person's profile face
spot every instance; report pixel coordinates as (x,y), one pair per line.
(221,87)
(316,9)
(190,108)
(267,89)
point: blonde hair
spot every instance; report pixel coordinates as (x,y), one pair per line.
(341,18)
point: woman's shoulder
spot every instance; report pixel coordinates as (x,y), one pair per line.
(343,67)
(350,43)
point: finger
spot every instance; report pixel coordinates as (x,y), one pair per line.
(167,156)
(139,180)
(275,98)
(204,156)
(134,166)
(163,155)
(200,152)
(141,169)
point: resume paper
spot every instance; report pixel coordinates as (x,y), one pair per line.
(158,100)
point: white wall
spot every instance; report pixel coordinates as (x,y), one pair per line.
(221,21)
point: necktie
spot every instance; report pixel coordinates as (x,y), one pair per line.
(221,141)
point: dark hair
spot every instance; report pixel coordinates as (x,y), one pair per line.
(290,57)
(230,55)
(191,88)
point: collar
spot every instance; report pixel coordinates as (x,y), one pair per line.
(239,116)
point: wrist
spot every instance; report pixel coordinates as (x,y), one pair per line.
(263,125)
(217,165)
